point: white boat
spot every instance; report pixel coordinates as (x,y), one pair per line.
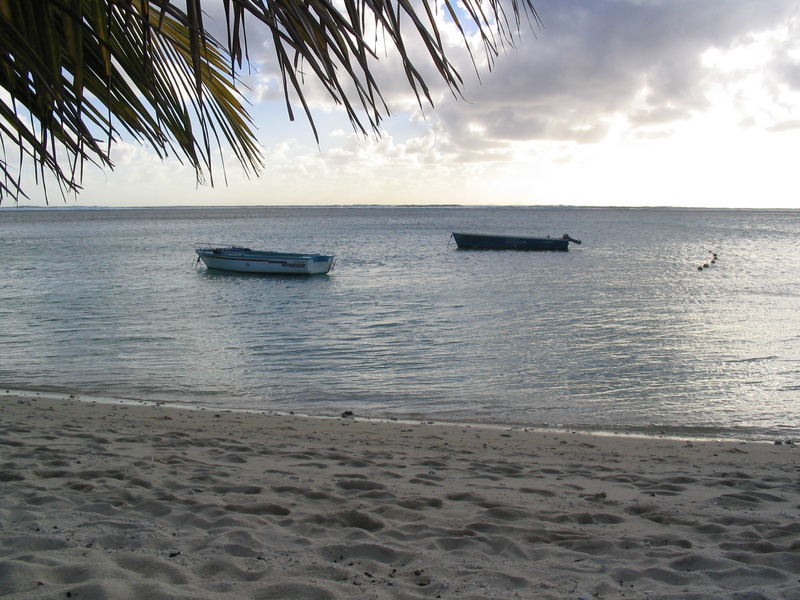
(245,260)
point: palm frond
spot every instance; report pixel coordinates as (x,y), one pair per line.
(76,74)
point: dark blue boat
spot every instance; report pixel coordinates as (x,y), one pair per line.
(481,241)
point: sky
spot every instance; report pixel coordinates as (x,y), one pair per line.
(611,103)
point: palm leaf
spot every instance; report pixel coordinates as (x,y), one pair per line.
(78,74)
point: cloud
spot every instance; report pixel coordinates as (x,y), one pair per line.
(594,61)
(600,59)
(633,69)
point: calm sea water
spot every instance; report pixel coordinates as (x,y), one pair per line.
(620,333)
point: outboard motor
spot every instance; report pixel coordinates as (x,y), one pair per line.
(569,239)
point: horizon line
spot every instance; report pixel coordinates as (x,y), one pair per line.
(371,205)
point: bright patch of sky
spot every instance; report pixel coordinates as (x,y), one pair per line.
(613,102)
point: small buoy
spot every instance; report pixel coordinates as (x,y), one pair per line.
(699,268)
(713,261)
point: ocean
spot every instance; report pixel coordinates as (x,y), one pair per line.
(623,333)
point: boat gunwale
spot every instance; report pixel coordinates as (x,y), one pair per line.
(239,253)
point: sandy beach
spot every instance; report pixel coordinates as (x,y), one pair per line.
(113,501)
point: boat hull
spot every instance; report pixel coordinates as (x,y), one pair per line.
(479,241)
(242,260)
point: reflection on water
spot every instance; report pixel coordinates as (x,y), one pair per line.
(620,331)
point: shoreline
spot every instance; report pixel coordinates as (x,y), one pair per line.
(121,501)
(671,432)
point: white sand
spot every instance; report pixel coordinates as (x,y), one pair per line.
(129,502)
